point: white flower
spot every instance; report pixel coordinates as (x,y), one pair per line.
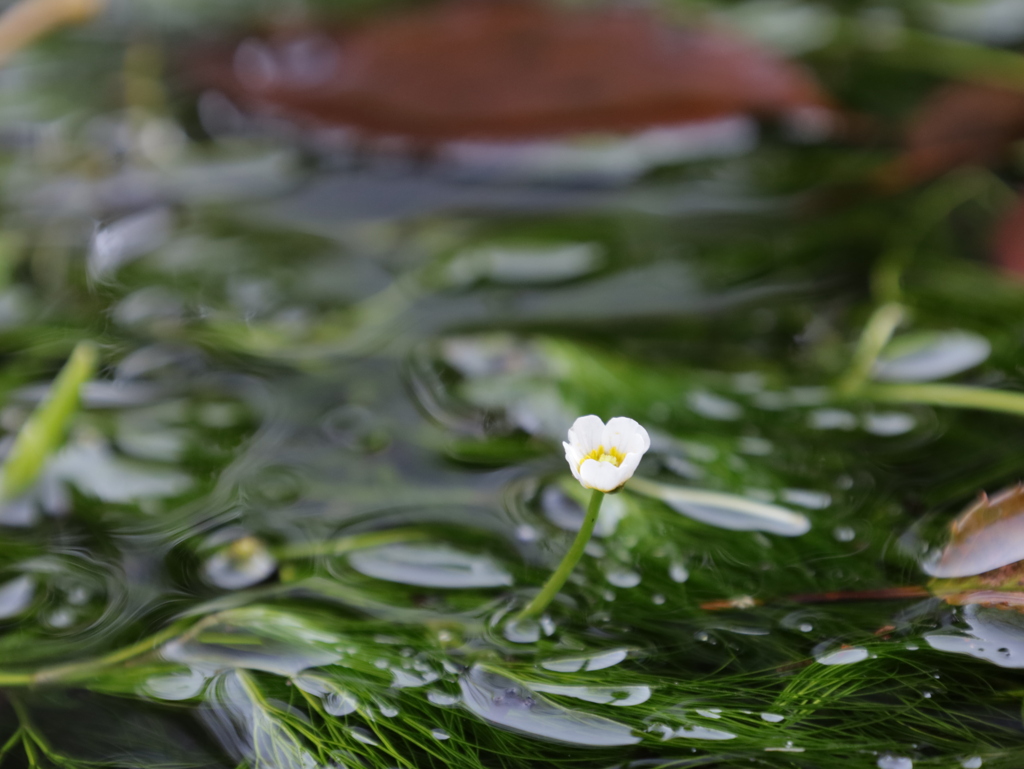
(605,456)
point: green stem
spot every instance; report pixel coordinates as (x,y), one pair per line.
(873,339)
(555,581)
(43,432)
(952,395)
(85,669)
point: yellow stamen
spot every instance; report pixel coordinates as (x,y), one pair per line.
(612,455)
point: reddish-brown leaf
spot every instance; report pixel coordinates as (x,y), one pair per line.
(1008,240)
(961,123)
(507,71)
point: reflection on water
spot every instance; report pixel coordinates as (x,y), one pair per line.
(319,473)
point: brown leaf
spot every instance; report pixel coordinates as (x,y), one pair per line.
(986,536)
(1008,240)
(507,71)
(960,124)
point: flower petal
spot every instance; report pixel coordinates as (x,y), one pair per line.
(573,456)
(625,434)
(603,476)
(586,433)
(630,463)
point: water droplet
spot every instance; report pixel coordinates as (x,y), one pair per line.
(677,572)
(693,733)
(336,700)
(623,578)
(806,627)
(439,734)
(844,533)
(61,618)
(710,712)
(443,698)
(889,761)
(658,599)
(806,498)
(525,631)
(409,679)
(388,711)
(241,560)
(832,419)
(176,687)
(526,533)
(364,736)
(787,748)
(971,762)
(847,656)
(772,718)
(712,406)
(889,424)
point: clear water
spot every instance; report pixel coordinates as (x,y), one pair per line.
(320,466)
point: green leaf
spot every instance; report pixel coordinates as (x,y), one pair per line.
(44,431)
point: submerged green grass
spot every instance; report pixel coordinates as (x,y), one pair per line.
(320,470)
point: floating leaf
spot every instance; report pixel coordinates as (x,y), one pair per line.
(536,70)
(960,124)
(927,355)
(726,511)
(985,536)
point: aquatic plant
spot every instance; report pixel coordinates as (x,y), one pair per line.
(602,458)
